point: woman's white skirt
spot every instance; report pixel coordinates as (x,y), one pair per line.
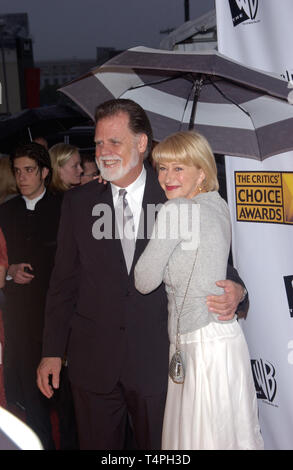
(216,407)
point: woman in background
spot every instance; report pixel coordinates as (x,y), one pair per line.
(214,407)
(66,164)
(7,181)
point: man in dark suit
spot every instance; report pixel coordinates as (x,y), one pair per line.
(116,338)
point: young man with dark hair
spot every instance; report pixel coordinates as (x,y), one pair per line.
(29,222)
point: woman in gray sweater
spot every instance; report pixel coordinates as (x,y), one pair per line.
(214,406)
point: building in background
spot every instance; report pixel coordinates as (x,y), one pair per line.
(18,76)
(57,72)
(54,73)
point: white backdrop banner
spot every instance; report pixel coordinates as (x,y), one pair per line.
(258,33)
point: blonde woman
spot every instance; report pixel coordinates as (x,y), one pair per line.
(67,170)
(215,406)
(7,181)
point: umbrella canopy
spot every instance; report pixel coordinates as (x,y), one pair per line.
(31,123)
(240,110)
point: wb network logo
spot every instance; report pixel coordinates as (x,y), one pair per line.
(288,280)
(264,379)
(243,10)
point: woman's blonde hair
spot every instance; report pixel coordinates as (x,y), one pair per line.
(7,180)
(191,149)
(59,155)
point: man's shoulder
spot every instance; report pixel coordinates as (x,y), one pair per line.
(90,190)
(9,211)
(8,206)
(49,204)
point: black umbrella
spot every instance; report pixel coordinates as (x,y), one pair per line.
(242,111)
(31,123)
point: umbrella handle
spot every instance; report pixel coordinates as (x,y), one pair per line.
(197,86)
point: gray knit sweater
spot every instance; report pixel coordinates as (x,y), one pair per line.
(187,230)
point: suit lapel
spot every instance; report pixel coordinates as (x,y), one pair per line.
(106,198)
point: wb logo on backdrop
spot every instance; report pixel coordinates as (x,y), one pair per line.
(243,10)
(264,379)
(289,290)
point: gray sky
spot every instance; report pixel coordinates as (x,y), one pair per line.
(74,28)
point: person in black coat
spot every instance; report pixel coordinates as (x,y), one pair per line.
(30,223)
(117,338)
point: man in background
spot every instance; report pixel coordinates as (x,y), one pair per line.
(30,223)
(89,166)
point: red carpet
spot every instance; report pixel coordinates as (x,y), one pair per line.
(15,410)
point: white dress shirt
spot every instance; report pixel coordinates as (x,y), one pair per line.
(31,203)
(134,197)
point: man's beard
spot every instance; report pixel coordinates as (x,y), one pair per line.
(115,174)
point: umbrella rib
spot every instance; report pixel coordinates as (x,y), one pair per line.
(236,104)
(187,101)
(61,125)
(229,99)
(158,82)
(30,134)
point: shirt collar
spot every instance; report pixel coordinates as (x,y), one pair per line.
(31,203)
(133,187)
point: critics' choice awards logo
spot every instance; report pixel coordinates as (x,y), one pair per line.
(243,10)
(264,379)
(265,197)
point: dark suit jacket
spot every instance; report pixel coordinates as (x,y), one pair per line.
(114,331)
(31,237)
